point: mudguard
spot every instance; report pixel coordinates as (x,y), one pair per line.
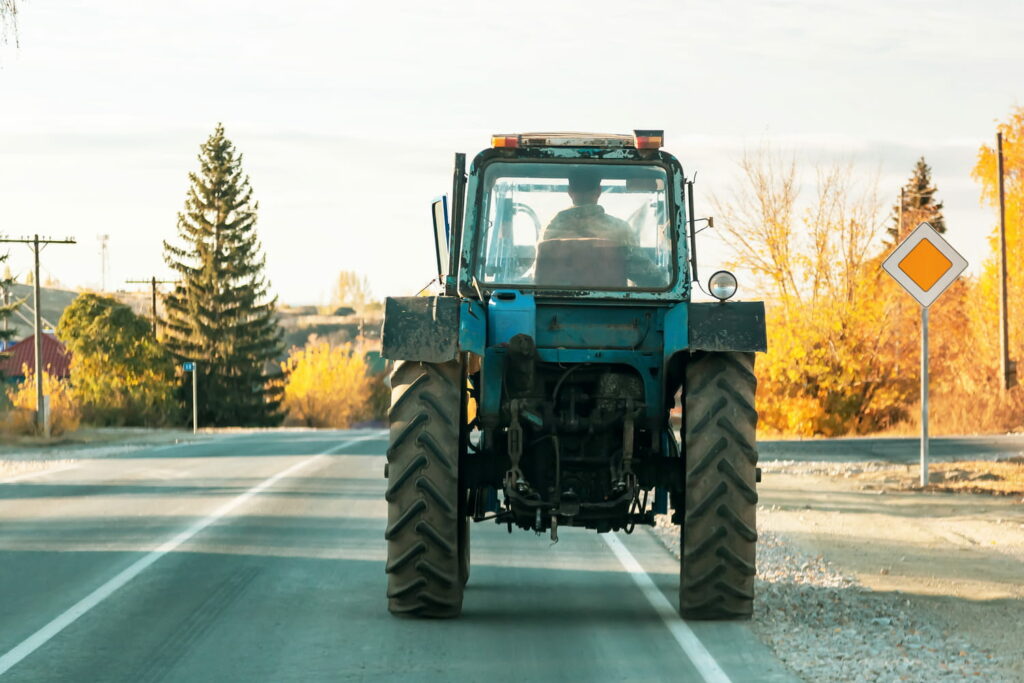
(727,326)
(433,329)
(422,328)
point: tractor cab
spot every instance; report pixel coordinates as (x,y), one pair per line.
(571,215)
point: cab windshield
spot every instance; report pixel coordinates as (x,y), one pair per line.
(575,226)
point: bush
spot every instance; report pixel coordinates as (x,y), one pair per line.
(65,415)
(121,375)
(326,386)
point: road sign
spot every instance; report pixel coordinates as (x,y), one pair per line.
(924,264)
(188,367)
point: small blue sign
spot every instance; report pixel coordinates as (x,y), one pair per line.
(188,367)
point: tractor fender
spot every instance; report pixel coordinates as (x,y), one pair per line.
(727,326)
(715,326)
(433,329)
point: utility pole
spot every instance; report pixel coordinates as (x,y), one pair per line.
(38,243)
(153,282)
(1007,366)
(104,261)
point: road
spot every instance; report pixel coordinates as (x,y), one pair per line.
(900,450)
(261,557)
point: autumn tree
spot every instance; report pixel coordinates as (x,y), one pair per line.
(121,375)
(917,204)
(220,314)
(351,291)
(8,21)
(981,367)
(326,386)
(832,365)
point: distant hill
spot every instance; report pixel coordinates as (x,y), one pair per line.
(299,322)
(54,303)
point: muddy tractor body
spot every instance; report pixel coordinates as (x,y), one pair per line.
(534,388)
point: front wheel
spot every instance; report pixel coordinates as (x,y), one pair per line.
(719,531)
(424,534)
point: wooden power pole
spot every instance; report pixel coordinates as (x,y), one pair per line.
(1007,366)
(37,243)
(153,282)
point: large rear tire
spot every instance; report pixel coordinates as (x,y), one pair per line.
(423,533)
(719,530)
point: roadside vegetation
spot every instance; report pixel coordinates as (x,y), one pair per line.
(122,376)
(65,413)
(843,338)
(327,386)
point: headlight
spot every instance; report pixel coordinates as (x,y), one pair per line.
(722,285)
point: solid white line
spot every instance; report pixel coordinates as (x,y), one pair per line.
(684,635)
(43,635)
(39,473)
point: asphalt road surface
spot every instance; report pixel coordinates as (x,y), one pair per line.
(260,557)
(902,450)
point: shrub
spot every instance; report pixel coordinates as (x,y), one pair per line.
(326,385)
(65,415)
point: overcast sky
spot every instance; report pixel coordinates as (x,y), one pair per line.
(348,113)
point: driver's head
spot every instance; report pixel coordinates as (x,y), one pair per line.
(584,186)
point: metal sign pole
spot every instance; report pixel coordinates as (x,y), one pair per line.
(195,403)
(924,396)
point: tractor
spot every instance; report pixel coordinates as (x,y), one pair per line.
(534,386)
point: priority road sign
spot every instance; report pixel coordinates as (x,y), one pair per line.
(924,264)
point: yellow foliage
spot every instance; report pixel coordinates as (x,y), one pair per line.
(326,385)
(64,412)
(843,338)
(834,362)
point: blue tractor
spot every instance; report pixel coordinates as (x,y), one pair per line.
(534,388)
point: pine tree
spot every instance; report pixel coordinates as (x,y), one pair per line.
(220,315)
(919,205)
(7,303)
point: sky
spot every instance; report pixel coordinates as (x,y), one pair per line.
(348,114)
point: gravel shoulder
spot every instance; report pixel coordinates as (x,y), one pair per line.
(862,578)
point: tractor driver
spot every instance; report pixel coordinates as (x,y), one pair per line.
(586,218)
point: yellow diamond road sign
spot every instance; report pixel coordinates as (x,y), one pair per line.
(925,264)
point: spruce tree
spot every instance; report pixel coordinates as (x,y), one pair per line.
(919,205)
(220,314)
(8,305)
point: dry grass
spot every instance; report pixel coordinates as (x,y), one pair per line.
(1000,478)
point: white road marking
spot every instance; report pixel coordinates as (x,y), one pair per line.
(47,632)
(684,635)
(39,473)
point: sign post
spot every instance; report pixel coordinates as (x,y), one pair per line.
(190,366)
(925,265)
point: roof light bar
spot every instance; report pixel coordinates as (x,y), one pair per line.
(575,140)
(505,141)
(649,139)
(641,139)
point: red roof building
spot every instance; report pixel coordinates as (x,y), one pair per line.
(56,358)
